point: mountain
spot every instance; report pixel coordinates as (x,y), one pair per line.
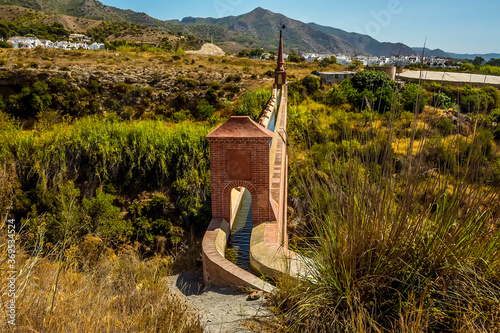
(256,29)
(444,54)
(89,9)
(366,43)
(259,28)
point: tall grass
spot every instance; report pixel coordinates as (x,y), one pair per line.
(397,246)
(128,156)
(116,293)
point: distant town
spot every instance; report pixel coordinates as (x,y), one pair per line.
(398,61)
(77,41)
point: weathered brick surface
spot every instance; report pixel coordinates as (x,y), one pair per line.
(225,169)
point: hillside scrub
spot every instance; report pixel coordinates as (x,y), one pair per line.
(399,216)
(103,161)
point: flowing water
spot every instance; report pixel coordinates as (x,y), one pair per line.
(242,230)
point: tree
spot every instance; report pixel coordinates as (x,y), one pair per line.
(493,62)
(379,83)
(5,45)
(478,61)
(293,57)
(31,100)
(243,53)
(311,83)
(328,61)
(255,53)
(355,64)
(413,97)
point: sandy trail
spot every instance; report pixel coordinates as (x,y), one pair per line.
(221,309)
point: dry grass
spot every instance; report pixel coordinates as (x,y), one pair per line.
(97,291)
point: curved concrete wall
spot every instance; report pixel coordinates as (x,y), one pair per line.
(268,257)
(217,269)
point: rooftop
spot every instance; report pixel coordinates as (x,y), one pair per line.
(452,77)
(240,127)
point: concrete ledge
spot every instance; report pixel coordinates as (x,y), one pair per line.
(268,257)
(236,199)
(218,270)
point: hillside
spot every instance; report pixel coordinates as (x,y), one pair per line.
(444,54)
(90,9)
(23,16)
(260,27)
(366,43)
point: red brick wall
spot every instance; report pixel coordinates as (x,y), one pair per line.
(257,183)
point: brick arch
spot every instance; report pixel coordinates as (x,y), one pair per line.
(239,156)
(226,199)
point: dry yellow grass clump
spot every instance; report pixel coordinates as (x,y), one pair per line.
(92,290)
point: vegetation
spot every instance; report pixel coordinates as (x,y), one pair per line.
(105,29)
(395,192)
(399,211)
(53,32)
(96,290)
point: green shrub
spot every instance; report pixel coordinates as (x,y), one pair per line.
(205,110)
(231,88)
(30,101)
(445,126)
(413,97)
(253,102)
(269,73)
(442,101)
(59,84)
(293,57)
(311,84)
(234,78)
(122,87)
(103,218)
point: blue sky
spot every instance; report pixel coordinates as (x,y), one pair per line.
(454,26)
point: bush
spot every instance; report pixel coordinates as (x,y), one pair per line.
(103,218)
(253,102)
(234,78)
(293,57)
(311,83)
(378,83)
(269,73)
(231,88)
(30,101)
(413,97)
(205,110)
(445,126)
(442,101)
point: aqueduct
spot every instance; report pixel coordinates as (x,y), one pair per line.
(251,155)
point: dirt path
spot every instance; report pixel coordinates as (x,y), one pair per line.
(221,309)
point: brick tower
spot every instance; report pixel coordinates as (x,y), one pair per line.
(239,157)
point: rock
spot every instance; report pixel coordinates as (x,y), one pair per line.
(255,295)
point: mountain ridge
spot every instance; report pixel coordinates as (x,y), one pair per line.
(255,29)
(444,54)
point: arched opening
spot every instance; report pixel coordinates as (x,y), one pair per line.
(238,249)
